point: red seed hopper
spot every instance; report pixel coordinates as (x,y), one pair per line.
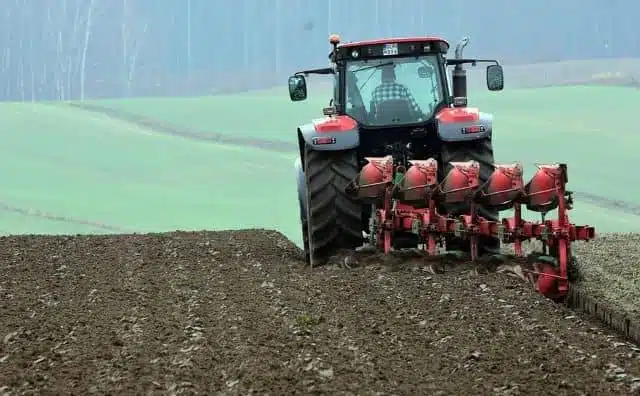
(408,201)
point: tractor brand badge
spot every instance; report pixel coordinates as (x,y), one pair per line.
(323,140)
(390,49)
(473,129)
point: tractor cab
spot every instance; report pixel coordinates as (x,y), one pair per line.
(393,82)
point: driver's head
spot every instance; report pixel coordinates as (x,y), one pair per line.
(388,73)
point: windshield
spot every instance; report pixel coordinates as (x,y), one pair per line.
(393,91)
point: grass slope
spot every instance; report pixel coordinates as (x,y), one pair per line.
(576,125)
(84,165)
(264,114)
(77,164)
(16,223)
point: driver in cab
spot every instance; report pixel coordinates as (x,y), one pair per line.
(391,90)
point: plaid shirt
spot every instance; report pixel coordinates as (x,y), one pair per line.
(393,91)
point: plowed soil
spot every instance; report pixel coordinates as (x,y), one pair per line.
(611,271)
(237,313)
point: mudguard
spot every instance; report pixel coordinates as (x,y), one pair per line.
(302,188)
(459,124)
(330,133)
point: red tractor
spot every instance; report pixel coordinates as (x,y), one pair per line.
(399,161)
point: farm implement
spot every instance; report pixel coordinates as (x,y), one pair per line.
(400,161)
(406,200)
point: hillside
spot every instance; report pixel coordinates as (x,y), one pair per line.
(135,170)
(80,165)
(571,130)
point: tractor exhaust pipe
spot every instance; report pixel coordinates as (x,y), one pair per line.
(459,76)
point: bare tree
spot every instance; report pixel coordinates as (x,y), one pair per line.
(189,65)
(133,29)
(21,62)
(32,70)
(60,80)
(87,37)
(73,56)
(6,53)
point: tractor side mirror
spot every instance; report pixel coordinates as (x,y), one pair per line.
(297,88)
(495,78)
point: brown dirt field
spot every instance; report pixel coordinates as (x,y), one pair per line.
(237,313)
(610,266)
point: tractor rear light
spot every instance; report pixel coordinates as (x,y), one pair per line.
(323,140)
(472,129)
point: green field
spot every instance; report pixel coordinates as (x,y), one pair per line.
(79,164)
(82,165)
(576,125)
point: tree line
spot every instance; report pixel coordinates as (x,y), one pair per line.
(79,49)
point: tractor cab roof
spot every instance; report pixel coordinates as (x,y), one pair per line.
(394,46)
(392,40)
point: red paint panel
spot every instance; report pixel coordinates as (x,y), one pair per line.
(394,40)
(451,115)
(340,123)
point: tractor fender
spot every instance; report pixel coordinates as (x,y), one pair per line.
(302,188)
(330,134)
(460,124)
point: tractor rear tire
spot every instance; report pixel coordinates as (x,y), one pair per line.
(334,219)
(482,152)
(305,241)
